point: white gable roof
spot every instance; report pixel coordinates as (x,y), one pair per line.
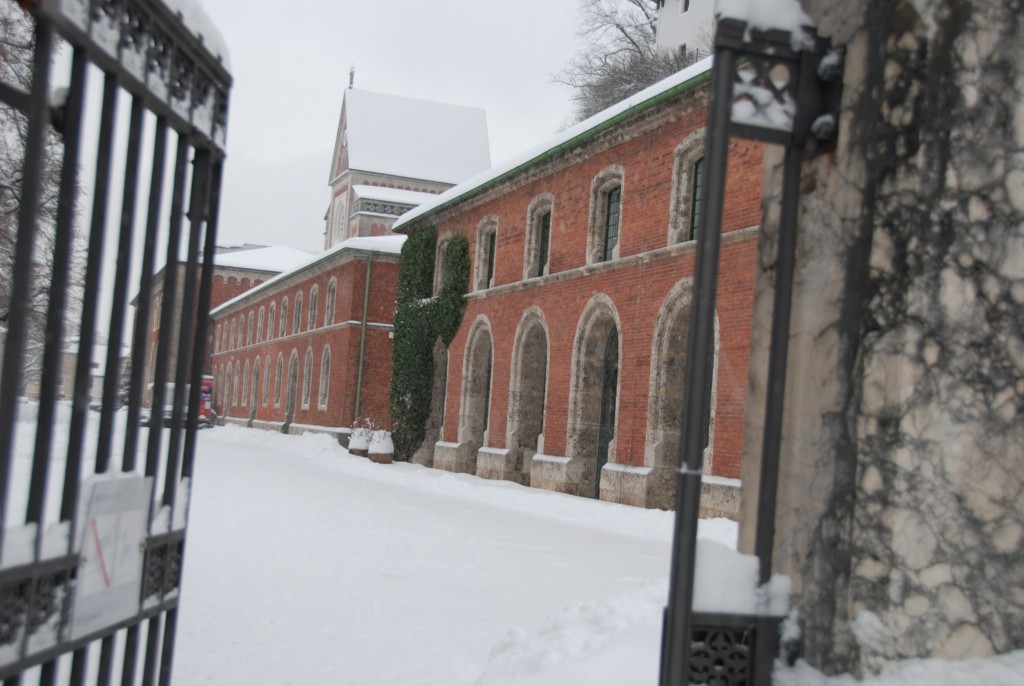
(275,258)
(417,139)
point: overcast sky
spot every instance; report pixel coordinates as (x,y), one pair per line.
(291,61)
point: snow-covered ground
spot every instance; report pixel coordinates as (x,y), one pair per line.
(306,565)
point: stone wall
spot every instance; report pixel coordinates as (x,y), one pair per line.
(901,505)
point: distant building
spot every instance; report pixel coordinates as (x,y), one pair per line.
(686,25)
(311,349)
(69,362)
(237,269)
(393,153)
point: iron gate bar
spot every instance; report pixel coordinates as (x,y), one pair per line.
(197,213)
(143,301)
(112,375)
(72,473)
(14,344)
(202,323)
(157,400)
(63,237)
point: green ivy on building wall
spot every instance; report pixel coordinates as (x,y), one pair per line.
(420,319)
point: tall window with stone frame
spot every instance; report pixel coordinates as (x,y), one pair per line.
(259,324)
(332,294)
(234,333)
(605,215)
(325,377)
(234,387)
(697,200)
(486,247)
(538,237)
(439,255)
(248,331)
(297,324)
(266,380)
(314,297)
(270,321)
(284,319)
(687,186)
(307,379)
(612,215)
(245,384)
(216,340)
(277,379)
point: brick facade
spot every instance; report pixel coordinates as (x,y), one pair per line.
(566,315)
(339,330)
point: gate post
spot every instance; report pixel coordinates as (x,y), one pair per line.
(749,99)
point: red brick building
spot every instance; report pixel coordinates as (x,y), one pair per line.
(311,348)
(567,371)
(237,268)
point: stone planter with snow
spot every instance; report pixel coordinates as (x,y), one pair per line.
(359,441)
(381,450)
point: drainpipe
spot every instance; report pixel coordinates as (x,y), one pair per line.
(362,337)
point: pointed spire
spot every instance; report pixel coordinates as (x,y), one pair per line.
(352,76)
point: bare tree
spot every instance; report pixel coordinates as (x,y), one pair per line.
(16,49)
(621,57)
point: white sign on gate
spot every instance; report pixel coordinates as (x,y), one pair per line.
(111,535)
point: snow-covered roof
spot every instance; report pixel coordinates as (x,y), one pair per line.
(688,77)
(397,195)
(417,139)
(275,258)
(380,244)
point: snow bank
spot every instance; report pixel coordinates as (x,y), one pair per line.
(1004,670)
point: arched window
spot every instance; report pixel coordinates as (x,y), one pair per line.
(687,187)
(538,236)
(248,331)
(314,296)
(245,384)
(216,340)
(486,248)
(298,313)
(234,385)
(266,379)
(325,377)
(259,325)
(439,255)
(234,333)
(332,294)
(605,215)
(307,379)
(284,319)
(270,321)
(277,380)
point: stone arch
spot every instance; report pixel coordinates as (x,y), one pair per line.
(669,345)
(474,414)
(528,391)
(687,154)
(598,321)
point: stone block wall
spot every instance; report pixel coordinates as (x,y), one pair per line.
(901,504)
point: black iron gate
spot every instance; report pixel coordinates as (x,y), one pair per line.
(93,507)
